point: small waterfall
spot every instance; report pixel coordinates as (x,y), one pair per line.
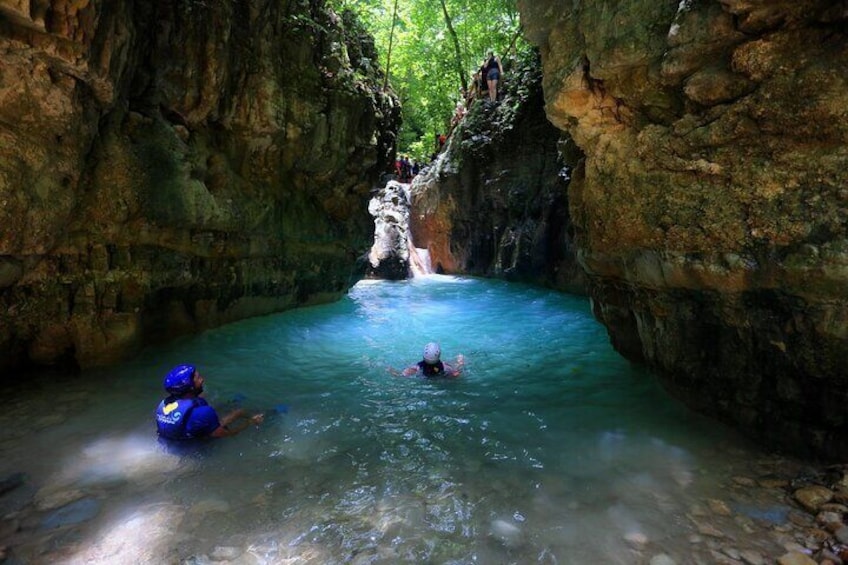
(419,257)
(419,260)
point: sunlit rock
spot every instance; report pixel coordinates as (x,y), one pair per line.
(636,539)
(52,497)
(209,506)
(225,553)
(390,254)
(719,507)
(508,533)
(795,558)
(813,497)
(708,529)
(139,535)
(752,558)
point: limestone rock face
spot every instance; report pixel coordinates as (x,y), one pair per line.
(711,210)
(495,203)
(170,166)
(390,257)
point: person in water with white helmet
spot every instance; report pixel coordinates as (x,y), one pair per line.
(184,415)
(432,366)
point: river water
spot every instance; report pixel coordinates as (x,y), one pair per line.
(549,448)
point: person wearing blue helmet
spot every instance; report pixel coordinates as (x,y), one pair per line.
(431,366)
(184,415)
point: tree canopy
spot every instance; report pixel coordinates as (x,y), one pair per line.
(436,46)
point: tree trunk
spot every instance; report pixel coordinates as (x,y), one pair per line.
(459,68)
(389,54)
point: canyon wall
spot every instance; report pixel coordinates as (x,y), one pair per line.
(710,212)
(495,202)
(169,166)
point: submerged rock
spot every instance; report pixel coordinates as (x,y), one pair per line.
(12,482)
(813,497)
(80,511)
(508,533)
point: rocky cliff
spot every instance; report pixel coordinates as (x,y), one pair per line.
(169,166)
(711,209)
(495,202)
(392,256)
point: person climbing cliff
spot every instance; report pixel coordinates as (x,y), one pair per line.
(494,70)
(458,113)
(184,415)
(481,89)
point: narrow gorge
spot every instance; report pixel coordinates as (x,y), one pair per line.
(168,167)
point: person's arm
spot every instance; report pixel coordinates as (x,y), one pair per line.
(404,373)
(224,430)
(455,370)
(498,61)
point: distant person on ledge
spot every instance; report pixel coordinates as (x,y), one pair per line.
(494,70)
(184,415)
(432,367)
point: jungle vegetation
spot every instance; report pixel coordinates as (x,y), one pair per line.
(430,50)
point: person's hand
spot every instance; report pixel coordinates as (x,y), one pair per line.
(460,360)
(257,419)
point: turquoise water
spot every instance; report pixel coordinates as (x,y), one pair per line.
(550,448)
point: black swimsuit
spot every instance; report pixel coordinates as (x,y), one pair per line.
(493,72)
(437,370)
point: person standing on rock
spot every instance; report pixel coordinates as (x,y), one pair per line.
(184,415)
(494,70)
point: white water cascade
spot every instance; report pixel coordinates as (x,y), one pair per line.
(419,257)
(419,260)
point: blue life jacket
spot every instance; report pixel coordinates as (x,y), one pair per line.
(172,416)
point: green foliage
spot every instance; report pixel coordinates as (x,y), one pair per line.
(423,67)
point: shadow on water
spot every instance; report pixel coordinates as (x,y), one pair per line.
(549,448)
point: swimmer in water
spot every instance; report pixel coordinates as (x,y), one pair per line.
(185,415)
(431,366)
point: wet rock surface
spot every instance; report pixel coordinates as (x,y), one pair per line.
(169,167)
(495,202)
(709,211)
(391,253)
